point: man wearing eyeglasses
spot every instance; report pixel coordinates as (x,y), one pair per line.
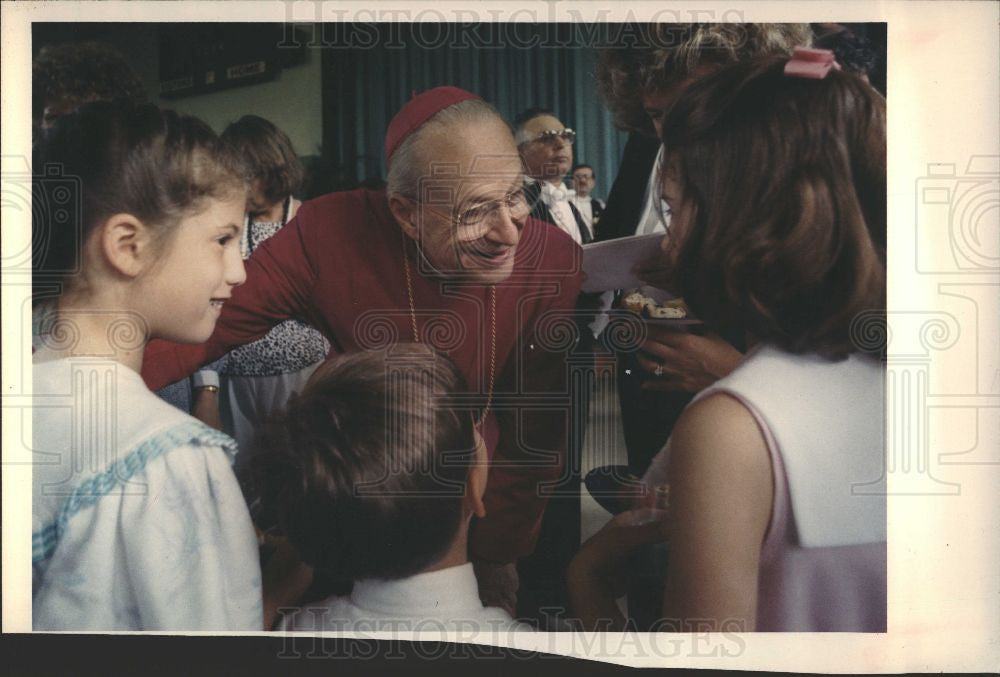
(546,148)
(446,255)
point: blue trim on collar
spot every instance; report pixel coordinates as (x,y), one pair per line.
(45,540)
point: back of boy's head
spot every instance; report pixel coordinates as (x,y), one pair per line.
(365,471)
(784,191)
(269,154)
(118,157)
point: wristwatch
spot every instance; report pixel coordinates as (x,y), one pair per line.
(205,379)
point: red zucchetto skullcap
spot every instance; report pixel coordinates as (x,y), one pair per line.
(419,110)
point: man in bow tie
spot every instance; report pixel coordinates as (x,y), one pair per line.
(546,148)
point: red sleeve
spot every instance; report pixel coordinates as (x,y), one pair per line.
(280,279)
(532,441)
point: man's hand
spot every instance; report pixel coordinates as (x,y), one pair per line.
(684,362)
(498,584)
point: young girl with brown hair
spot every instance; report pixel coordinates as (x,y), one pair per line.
(777,511)
(138,521)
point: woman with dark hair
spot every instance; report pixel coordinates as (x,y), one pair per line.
(639,83)
(258,378)
(777,491)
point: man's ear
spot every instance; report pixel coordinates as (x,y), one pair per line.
(127,244)
(404,211)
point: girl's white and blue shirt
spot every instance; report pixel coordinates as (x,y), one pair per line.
(138,522)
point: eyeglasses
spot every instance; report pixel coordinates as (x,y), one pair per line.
(487,213)
(550,135)
(516,202)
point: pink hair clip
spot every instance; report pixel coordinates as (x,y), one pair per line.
(812,64)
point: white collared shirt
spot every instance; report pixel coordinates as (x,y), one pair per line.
(556,198)
(651,220)
(446,600)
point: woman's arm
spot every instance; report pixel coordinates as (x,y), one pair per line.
(205,407)
(596,575)
(720,505)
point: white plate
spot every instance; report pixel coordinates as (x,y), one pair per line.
(660,296)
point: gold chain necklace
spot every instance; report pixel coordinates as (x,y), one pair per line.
(493,328)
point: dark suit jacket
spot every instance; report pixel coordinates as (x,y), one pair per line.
(596,211)
(541,211)
(624,209)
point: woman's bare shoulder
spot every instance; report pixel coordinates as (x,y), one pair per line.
(719,454)
(720,424)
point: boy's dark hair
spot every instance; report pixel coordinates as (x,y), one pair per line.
(365,471)
(268,152)
(583,165)
(117,157)
(782,205)
(77,73)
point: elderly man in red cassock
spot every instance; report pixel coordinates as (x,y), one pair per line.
(446,255)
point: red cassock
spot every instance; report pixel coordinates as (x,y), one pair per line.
(339,266)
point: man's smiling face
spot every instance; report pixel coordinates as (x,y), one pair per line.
(469,227)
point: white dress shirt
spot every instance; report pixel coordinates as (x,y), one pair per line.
(556,198)
(585,207)
(446,600)
(655,219)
